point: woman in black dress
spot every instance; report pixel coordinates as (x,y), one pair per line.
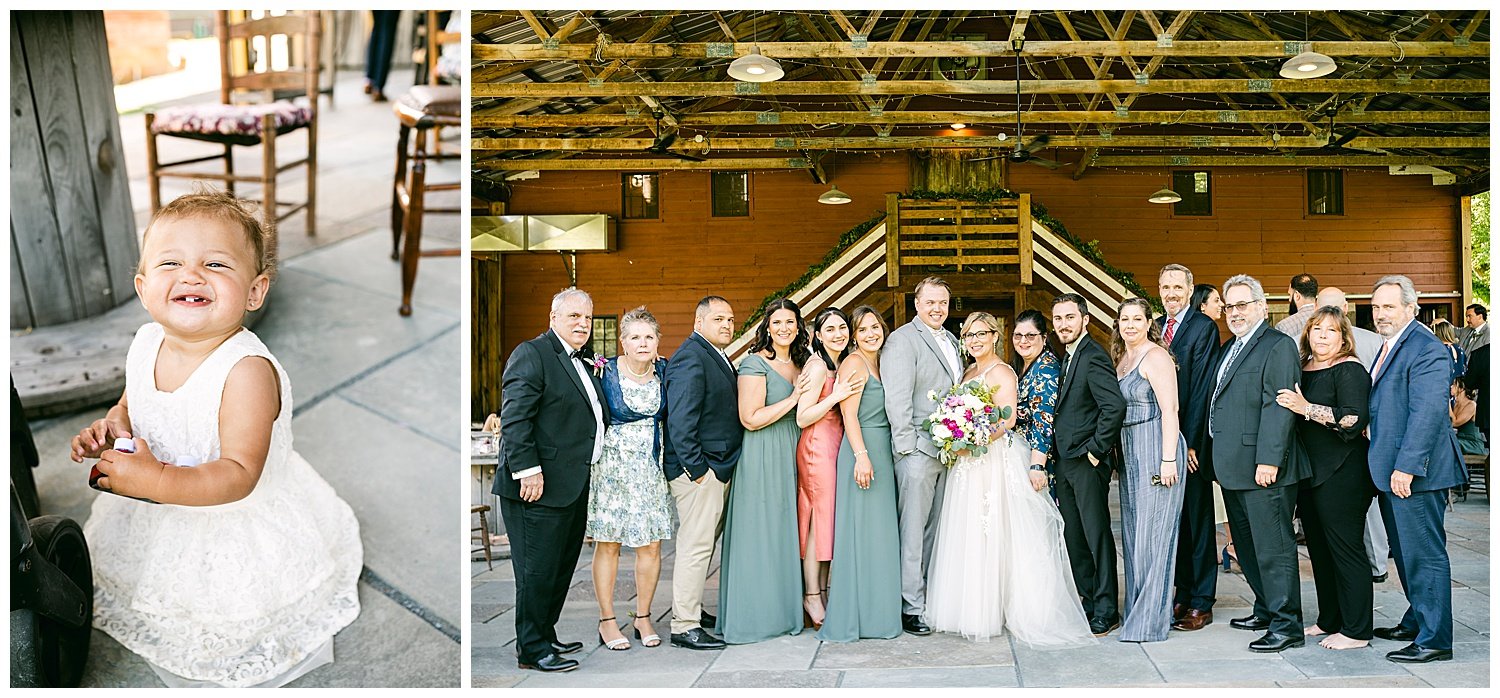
(1334,399)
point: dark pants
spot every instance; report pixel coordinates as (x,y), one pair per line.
(1083,499)
(1261,520)
(1420,546)
(382,45)
(1333,520)
(544,546)
(1197,576)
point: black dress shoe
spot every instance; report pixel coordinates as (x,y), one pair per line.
(1379,578)
(1415,654)
(914,625)
(697,639)
(1396,633)
(1250,622)
(566,647)
(1276,642)
(708,621)
(549,663)
(1102,626)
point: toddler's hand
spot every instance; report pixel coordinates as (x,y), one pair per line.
(130,474)
(95,438)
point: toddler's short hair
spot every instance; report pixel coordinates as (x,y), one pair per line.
(226,207)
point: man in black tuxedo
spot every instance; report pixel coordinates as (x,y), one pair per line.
(702,448)
(1193,339)
(1086,427)
(1253,452)
(552,420)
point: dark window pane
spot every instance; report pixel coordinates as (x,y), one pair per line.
(605,339)
(731,193)
(642,195)
(1325,192)
(1196,190)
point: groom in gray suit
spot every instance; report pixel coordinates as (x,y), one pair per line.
(919,357)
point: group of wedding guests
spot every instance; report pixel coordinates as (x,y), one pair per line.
(809,465)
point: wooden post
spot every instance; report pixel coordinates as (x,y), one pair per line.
(893,239)
(1465,251)
(1023,221)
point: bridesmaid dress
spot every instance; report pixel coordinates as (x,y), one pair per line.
(1148,515)
(864,593)
(817,471)
(760,577)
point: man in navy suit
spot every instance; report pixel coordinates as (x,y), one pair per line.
(1414,459)
(702,448)
(552,420)
(1193,338)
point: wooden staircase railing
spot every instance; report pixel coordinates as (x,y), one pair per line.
(951,237)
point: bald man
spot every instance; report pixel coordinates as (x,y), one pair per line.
(1366,343)
(1367,346)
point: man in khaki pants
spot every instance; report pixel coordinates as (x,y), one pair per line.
(703,445)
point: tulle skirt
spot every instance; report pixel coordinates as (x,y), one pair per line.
(1000,562)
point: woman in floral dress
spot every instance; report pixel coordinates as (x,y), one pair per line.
(1040,371)
(628,499)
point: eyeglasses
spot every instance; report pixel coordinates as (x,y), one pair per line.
(979,334)
(1239,307)
(1026,336)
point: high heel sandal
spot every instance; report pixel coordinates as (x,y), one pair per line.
(616,645)
(652,640)
(1227,557)
(807,618)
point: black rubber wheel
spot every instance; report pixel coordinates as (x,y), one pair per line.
(63,650)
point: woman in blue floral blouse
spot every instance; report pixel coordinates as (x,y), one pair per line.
(1040,371)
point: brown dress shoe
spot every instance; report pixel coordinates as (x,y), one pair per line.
(1194,619)
(1178,611)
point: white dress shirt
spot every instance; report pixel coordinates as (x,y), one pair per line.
(950,353)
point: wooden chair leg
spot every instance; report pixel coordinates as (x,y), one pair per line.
(229,168)
(153,164)
(403,140)
(268,171)
(312,178)
(412,252)
(484,537)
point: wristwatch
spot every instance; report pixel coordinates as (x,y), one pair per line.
(1038,468)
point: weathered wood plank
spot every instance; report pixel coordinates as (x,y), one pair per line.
(1002,87)
(101,126)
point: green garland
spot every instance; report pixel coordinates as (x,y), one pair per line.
(1039,212)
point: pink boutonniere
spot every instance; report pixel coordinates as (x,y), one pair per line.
(599,362)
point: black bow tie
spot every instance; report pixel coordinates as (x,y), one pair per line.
(582,354)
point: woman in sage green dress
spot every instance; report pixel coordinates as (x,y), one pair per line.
(864,594)
(760,576)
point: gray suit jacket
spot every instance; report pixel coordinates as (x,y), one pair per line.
(1471,339)
(1367,346)
(911,365)
(1249,428)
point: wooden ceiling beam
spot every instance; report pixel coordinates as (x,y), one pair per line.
(939,87)
(646,164)
(909,142)
(1257,47)
(1279,161)
(1018,27)
(976,117)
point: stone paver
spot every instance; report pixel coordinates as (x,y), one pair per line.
(1215,657)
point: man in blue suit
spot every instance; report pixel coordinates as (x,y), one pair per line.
(1193,339)
(1414,459)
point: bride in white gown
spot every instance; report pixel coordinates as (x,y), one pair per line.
(1000,562)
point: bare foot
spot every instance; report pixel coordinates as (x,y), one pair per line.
(1314,631)
(813,604)
(1337,641)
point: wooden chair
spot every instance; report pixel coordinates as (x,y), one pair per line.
(483,529)
(280,58)
(424,109)
(1479,474)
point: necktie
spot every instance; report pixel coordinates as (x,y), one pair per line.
(1380,360)
(1171,325)
(1234,351)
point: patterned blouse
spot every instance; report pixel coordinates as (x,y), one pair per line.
(1036,400)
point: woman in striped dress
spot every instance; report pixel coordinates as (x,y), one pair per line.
(1150,498)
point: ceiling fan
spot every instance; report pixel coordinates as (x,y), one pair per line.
(664,141)
(1337,143)
(1024,149)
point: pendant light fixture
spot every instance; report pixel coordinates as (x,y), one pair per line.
(1308,64)
(1165,195)
(753,67)
(834,196)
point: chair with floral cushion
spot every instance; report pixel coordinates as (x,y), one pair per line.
(263,59)
(424,109)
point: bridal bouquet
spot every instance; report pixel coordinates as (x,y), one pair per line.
(966,419)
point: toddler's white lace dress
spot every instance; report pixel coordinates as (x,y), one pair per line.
(248,593)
